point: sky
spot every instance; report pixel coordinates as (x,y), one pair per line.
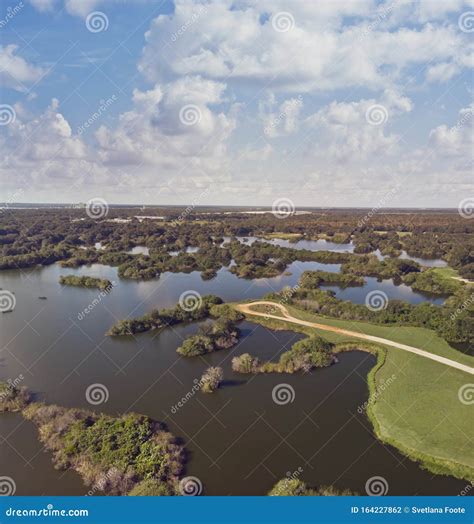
(360,103)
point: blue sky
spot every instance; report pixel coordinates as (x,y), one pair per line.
(362,103)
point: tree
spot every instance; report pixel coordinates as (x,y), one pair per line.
(211,379)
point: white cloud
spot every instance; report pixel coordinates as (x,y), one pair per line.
(15,72)
(254,112)
(283,121)
(324,50)
(81,7)
(457,140)
(354,131)
(43,5)
(152,140)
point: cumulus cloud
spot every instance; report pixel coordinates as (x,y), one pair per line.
(322,49)
(81,7)
(15,72)
(43,5)
(457,140)
(258,98)
(74,7)
(282,121)
(42,154)
(349,131)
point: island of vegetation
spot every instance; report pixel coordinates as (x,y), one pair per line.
(315,279)
(13,397)
(127,454)
(212,336)
(304,355)
(44,236)
(434,419)
(211,379)
(92,282)
(159,319)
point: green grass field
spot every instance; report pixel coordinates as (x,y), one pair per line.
(419,412)
(447,272)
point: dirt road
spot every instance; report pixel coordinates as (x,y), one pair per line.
(247,309)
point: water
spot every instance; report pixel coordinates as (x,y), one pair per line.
(234,436)
(428,262)
(357,295)
(311,245)
(139,250)
(326,245)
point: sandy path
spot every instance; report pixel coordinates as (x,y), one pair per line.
(247,309)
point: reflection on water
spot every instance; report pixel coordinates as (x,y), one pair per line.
(139,250)
(428,262)
(357,295)
(325,245)
(311,245)
(234,436)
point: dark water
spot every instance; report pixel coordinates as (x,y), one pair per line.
(311,245)
(326,245)
(358,295)
(239,440)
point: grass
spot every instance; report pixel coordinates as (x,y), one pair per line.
(447,272)
(419,412)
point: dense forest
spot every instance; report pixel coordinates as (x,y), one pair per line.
(30,237)
(209,239)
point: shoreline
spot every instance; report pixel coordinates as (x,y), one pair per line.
(432,463)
